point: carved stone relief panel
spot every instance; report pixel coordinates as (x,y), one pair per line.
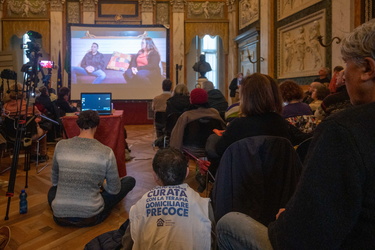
(88,5)
(147,5)
(231,5)
(162,13)
(206,10)
(27,8)
(178,5)
(288,7)
(299,52)
(73,12)
(248,12)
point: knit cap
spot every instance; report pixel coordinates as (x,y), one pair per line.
(198,96)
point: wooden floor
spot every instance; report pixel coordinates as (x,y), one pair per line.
(37,230)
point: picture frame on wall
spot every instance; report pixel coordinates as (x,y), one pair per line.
(287,8)
(248,12)
(298,51)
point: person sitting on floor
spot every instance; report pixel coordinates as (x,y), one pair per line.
(333,206)
(85,179)
(171,215)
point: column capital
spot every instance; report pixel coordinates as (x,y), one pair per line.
(57,5)
(147,5)
(178,5)
(88,5)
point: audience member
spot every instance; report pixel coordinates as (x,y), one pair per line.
(180,100)
(292,95)
(307,95)
(333,206)
(216,99)
(318,95)
(159,103)
(199,109)
(260,108)
(43,102)
(85,180)
(171,215)
(16,106)
(336,102)
(332,85)
(323,76)
(233,87)
(232,112)
(62,102)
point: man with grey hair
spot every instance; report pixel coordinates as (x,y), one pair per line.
(334,204)
(216,99)
(323,75)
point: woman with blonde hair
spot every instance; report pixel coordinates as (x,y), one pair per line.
(179,102)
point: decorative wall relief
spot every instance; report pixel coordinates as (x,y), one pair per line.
(162,13)
(73,12)
(299,52)
(206,10)
(56,5)
(147,5)
(178,5)
(88,5)
(27,8)
(248,12)
(288,7)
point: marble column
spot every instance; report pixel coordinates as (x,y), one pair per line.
(266,38)
(56,35)
(88,15)
(147,9)
(342,24)
(232,68)
(178,43)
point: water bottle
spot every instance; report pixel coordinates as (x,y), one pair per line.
(23,202)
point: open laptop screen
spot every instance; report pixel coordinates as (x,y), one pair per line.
(100,102)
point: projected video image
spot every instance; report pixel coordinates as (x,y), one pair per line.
(129,56)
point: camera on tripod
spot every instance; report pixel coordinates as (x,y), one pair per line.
(8,74)
(32,46)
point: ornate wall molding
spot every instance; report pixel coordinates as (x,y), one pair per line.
(162,13)
(57,5)
(147,5)
(27,8)
(231,5)
(88,5)
(178,5)
(73,12)
(206,10)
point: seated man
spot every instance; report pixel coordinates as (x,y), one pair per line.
(172,215)
(86,184)
(333,206)
(216,99)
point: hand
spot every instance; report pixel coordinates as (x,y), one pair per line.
(281,210)
(90,69)
(134,70)
(38,119)
(74,104)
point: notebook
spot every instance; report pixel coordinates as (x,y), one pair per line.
(101,102)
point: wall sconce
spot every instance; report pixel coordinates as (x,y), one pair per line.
(320,40)
(261,59)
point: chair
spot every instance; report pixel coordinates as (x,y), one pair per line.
(256,176)
(302,149)
(169,125)
(197,132)
(159,121)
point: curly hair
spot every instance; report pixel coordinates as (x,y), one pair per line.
(290,91)
(170,165)
(88,119)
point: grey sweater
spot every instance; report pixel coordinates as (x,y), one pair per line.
(80,166)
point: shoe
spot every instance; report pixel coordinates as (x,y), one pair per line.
(4,236)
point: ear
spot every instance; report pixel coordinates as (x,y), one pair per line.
(369,69)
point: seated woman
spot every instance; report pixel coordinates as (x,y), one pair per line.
(180,100)
(62,102)
(260,108)
(13,108)
(144,66)
(292,94)
(318,95)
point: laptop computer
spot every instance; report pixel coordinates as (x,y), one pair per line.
(101,102)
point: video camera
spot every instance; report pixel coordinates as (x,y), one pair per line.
(32,46)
